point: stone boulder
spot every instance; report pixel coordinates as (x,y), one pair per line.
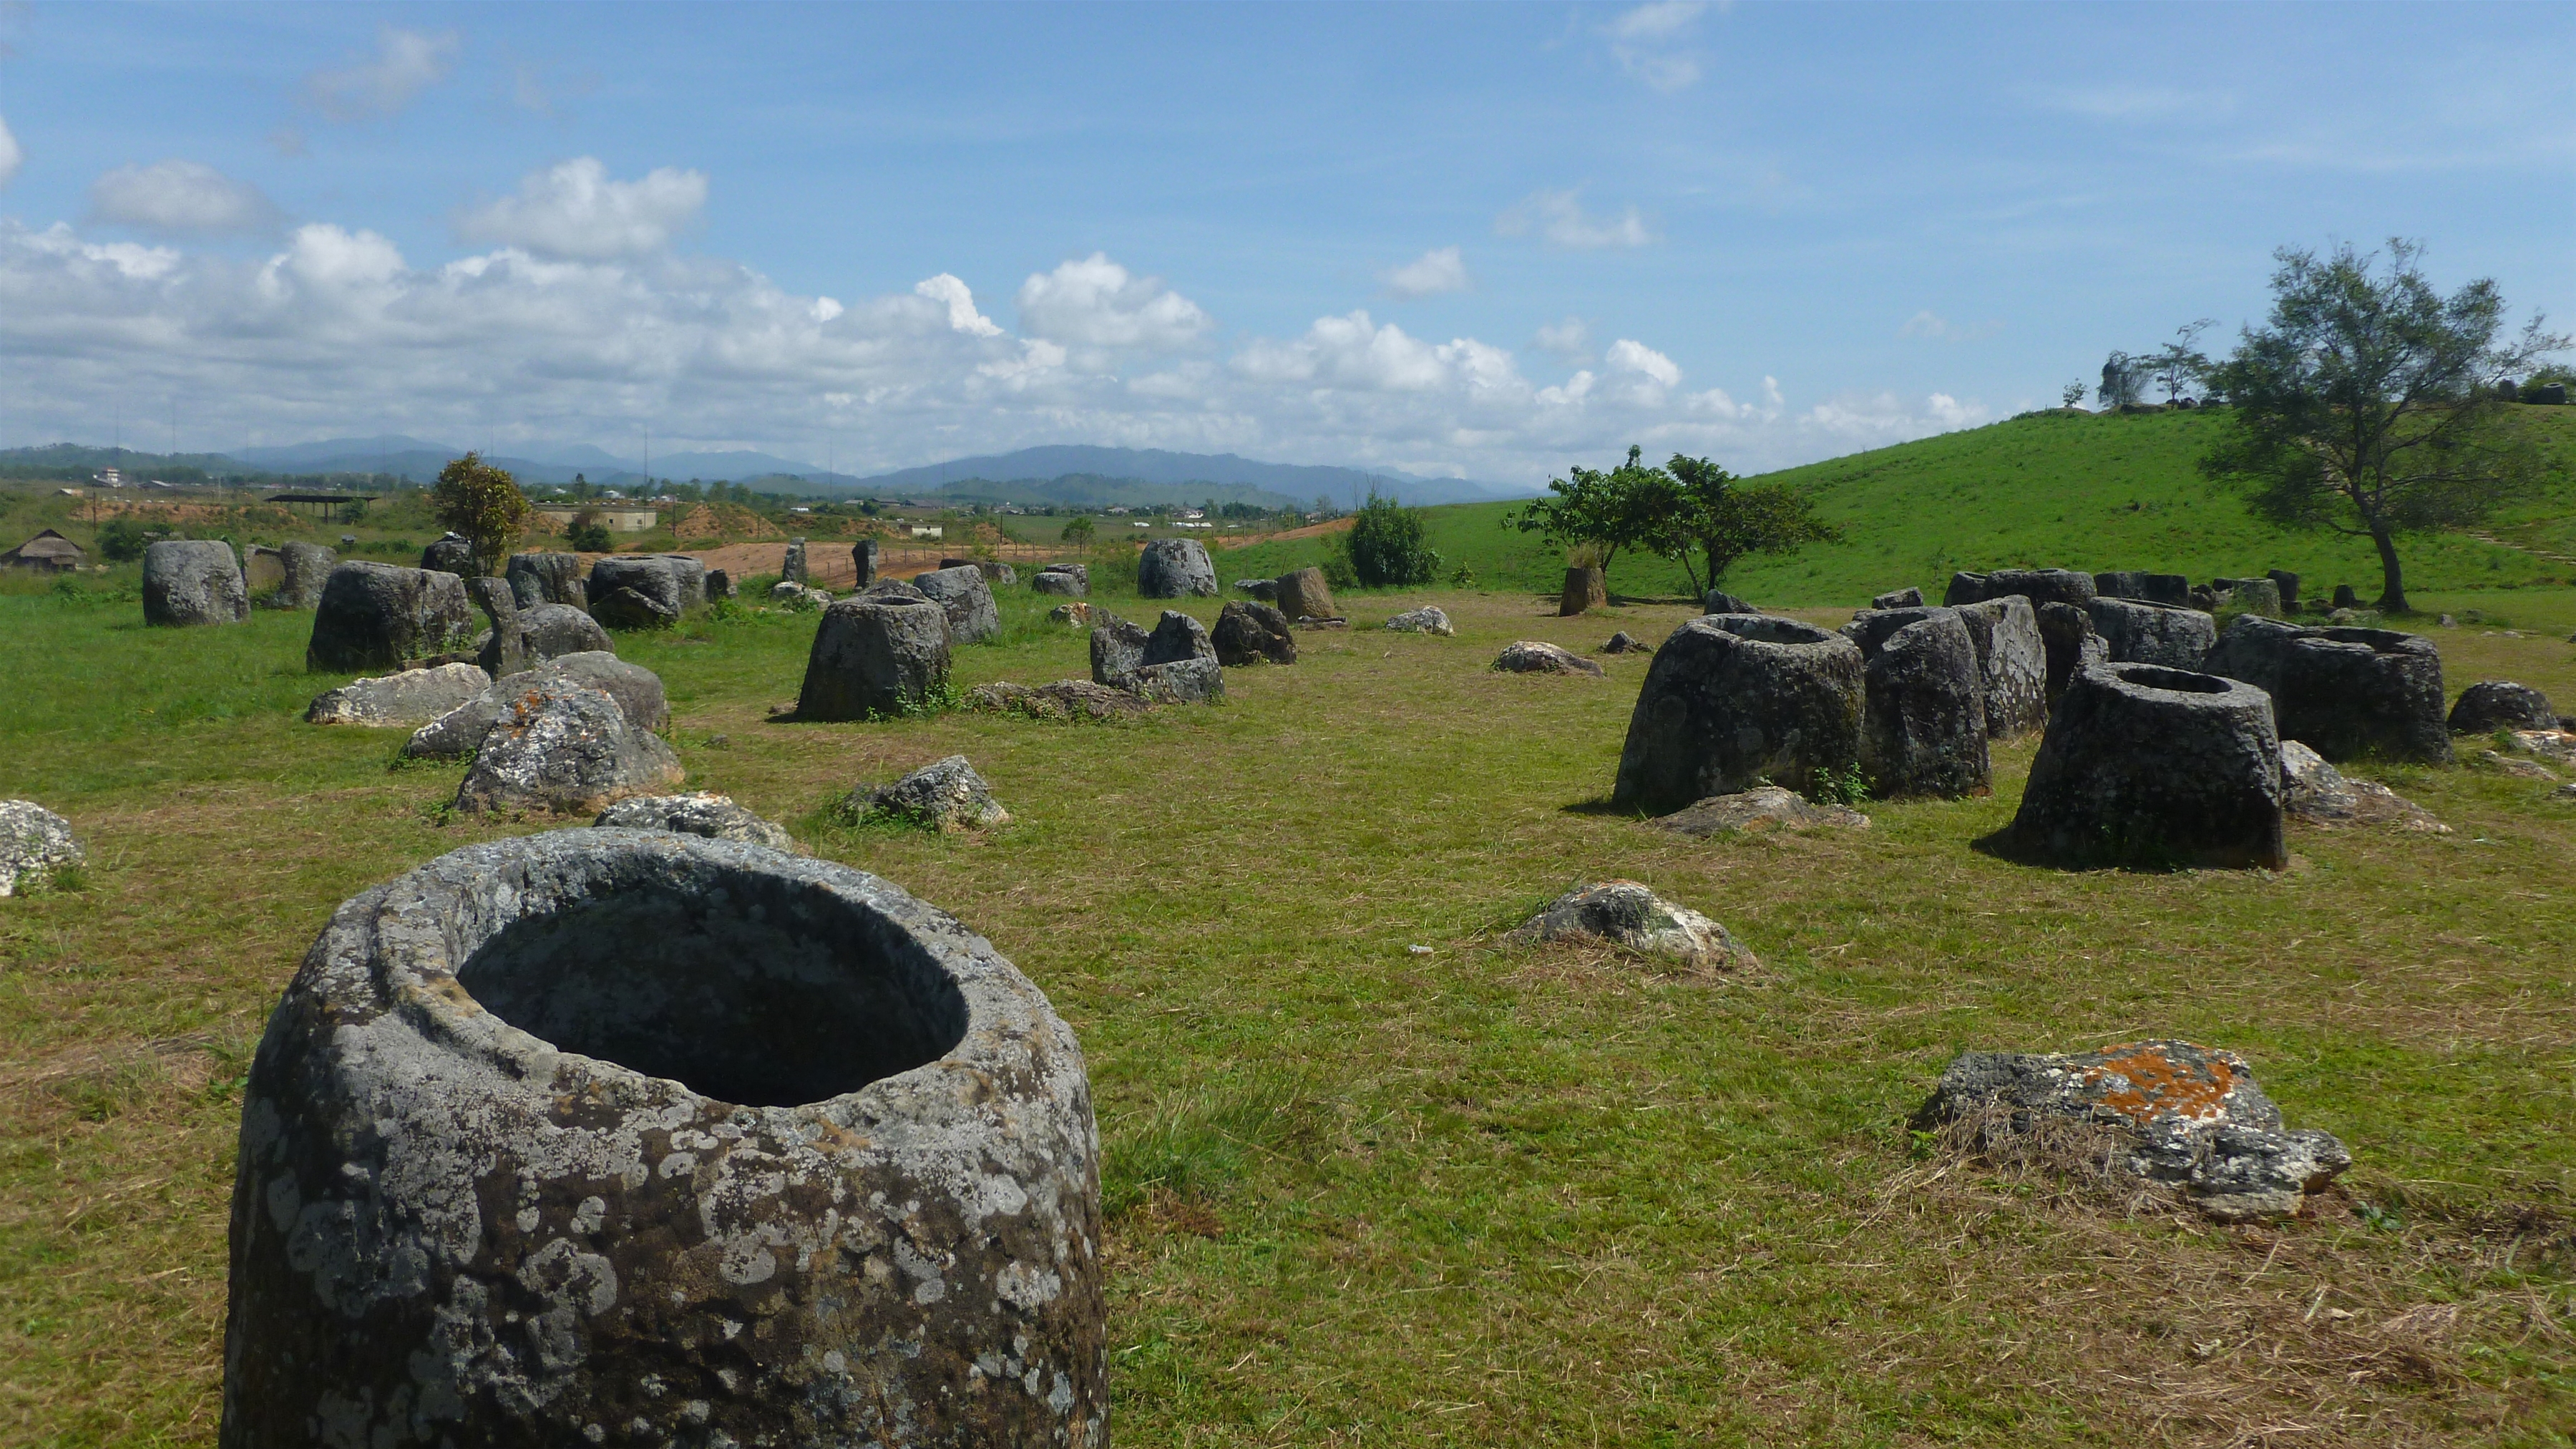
(945,795)
(2254,596)
(551,631)
(1965,588)
(546,578)
(1081,573)
(563,747)
(450,553)
(1924,729)
(1586,587)
(701,1141)
(375,616)
(1175,568)
(863,558)
(1738,700)
(891,589)
(792,567)
(1117,649)
(1261,590)
(967,598)
(2251,648)
(2041,586)
(788,594)
(2345,597)
(1626,914)
(306,568)
(675,584)
(1764,807)
(2288,585)
(1906,598)
(1719,601)
(2189,1116)
(2150,767)
(721,585)
(1624,642)
(2149,588)
(35,845)
(2499,704)
(1425,620)
(2066,632)
(1182,681)
(2012,660)
(413,697)
(1249,633)
(879,655)
(1059,581)
(706,813)
(631,608)
(193,581)
(1066,699)
(2318,794)
(1536,656)
(2349,692)
(460,731)
(1301,594)
(263,571)
(1074,615)
(1176,637)
(2137,632)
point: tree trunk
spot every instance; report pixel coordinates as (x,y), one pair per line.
(2392,579)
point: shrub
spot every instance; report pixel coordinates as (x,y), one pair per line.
(122,540)
(1386,546)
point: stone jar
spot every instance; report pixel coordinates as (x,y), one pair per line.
(2135,631)
(375,616)
(1924,731)
(1734,698)
(193,581)
(1175,568)
(2349,692)
(1302,594)
(546,578)
(863,558)
(2154,767)
(1585,588)
(875,656)
(967,596)
(2012,659)
(627,1137)
(308,567)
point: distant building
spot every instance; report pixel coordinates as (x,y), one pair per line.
(615,520)
(108,478)
(47,550)
(929,530)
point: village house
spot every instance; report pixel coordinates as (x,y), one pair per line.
(47,550)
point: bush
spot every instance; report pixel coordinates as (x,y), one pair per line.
(122,540)
(1386,546)
(587,534)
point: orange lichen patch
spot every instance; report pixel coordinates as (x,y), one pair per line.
(2138,1081)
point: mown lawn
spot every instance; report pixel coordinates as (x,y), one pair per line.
(1485,1195)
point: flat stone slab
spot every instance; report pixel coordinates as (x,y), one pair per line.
(945,794)
(708,814)
(1764,807)
(1066,699)
(1627,914)
(413,697)
(1425,620)
(1537,656)
(2317,793)
(34,844)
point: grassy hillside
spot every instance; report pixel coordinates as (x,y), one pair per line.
(2071,490)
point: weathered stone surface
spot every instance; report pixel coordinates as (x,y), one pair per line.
(2345,597)
(2066,633)
(35,845)
(787,594)
(1626,914)
(450,553)
(2287,583)
(413,697)
(1182,681)
(721,585)
(1117,649)
(1062,583)
(2041,586)
(2135,631)
(1074,615)
(193,581)
(1738,700)
(546,578)
(375,616)
(630,608)
(634,1138)
(674,583)
(262,570)
(1905,598)
(2012,660)
(997,573)
(1176,637)
(1264,590)
(1426,620)
(1586,587)
(1536,656)
(1066,699)
(891,589)
(1764,807)
(459,732)
(2154,767)
(503,650)
(2191,1116)
(863,557)
(792,568)
(1965,588)
(306,568)
(2350,692)
(1301,595)
(967,598)
(945,794)
(1081,573)
(2549,744)
(2509,765)
(2150,588)
(2317,793)
(2251,648)
(1248,633)
(2500,704)
(1175,568)
(1624,642)
(1924,728)
(2254,596)
(562,746)
(1719,601)
(877,655)
(706,813)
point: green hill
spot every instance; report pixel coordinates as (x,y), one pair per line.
(2074,490)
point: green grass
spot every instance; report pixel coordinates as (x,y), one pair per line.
(1487,1195)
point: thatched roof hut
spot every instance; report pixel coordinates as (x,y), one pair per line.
(47,550)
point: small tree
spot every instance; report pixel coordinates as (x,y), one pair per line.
(481,504)
(1629,506)
(2071,395)
(2366,404)
(2121,380)
(1386,545)
(2176,365)
(587,534)
(1079,531)
(1719,521)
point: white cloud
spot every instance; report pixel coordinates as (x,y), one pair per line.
(1931,326)
(1647,42)
(575,210)
(959,299)
(406,63)
(1429,274)
(1873,420)
(1629,356)
(11,158)
(181,197)
(1569,341)
(1095,302)
(1559,218)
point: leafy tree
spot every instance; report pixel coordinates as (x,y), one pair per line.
(1079,531)
(1630,506)
(1386,546)
(2071,395)
(483,505)
(2177,365)
(122,540)
(587,534)
(2122,378)
(2366,404)
(1716,521)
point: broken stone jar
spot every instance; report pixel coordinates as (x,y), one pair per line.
(622,1137)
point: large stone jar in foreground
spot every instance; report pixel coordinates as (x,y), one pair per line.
(2154,767)
(623,1137)
(875,657)
(1733,700)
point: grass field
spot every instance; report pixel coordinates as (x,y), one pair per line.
(1488,1195)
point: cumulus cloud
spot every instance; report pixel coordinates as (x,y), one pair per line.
(180,198)
(1558,218)
(11,158)
(1626,355)
(1095,302)
(575,210)
(1429,274)
(959,299)
(406,63)
(1569,341)
(1649,42)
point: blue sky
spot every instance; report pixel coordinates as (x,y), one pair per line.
(1485,240)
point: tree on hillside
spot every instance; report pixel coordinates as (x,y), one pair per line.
(1629,506)
(1079,531)
(2366,402)
(1386,546)
(1718,521)
(2122,379)
(481,504)
(2177,365)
